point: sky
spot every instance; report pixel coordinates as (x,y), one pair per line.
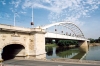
(84,13)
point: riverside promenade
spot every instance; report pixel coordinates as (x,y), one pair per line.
(52,62)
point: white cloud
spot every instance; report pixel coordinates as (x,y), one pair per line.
(17,14)
(16,3)
(61,10)
(22,12)
(12,10)
(7,15)
(65,9)
(3,2)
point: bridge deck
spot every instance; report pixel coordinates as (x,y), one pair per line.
(19,29)
(60,36)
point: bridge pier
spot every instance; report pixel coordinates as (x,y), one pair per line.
(83,46)
(38,50)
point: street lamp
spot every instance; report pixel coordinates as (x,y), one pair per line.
(14,18)
(32,23)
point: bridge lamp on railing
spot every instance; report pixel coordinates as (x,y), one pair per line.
(62,32)
(70,34)
(32,24)
(56,30)
(73,35)
(66,33)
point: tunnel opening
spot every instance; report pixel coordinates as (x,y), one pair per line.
(11,51)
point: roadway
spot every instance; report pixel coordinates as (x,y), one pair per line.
(42,63)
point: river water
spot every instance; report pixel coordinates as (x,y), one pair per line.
(73,53)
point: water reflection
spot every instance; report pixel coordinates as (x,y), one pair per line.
(93,54)
(49,51)
(79,56)
(63,52)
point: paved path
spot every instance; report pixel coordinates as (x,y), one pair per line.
(41,63)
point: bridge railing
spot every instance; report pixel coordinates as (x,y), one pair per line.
(20,29)
(37,29)
(62,36)
(10,27)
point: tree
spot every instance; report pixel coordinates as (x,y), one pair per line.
(67,42)
(91,40)
(99,40)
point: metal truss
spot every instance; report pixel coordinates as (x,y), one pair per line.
(71,26)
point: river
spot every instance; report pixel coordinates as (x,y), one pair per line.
(73,53)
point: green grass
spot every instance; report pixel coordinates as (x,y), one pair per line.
(50,45)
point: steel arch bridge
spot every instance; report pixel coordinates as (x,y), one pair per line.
(71,26)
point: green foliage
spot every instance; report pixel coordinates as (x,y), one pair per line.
(94,40)
(67,42)
(65,52)
(99,40)
(49,51)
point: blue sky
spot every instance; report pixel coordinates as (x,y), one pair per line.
(84,13)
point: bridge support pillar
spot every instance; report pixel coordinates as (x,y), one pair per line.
(39,46)
(83,46)
(38,51)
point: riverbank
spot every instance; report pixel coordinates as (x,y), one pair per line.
(94,44)
(51,45)
(72,46)
(55,45)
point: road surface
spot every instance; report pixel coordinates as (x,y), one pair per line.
(42,63)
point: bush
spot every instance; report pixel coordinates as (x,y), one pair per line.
(66,42)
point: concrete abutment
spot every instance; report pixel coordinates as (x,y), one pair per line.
(38,49)
(84,46)
(33,41)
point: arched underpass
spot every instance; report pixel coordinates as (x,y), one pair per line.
(10,51)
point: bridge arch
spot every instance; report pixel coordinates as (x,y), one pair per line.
(11,43)
(71,26)
(12,50)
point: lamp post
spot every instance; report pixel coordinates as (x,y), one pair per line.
(32,13)
(15,18)
(32,23)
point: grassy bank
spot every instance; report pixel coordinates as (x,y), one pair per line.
(94,44)
(55,45)
(51,45)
